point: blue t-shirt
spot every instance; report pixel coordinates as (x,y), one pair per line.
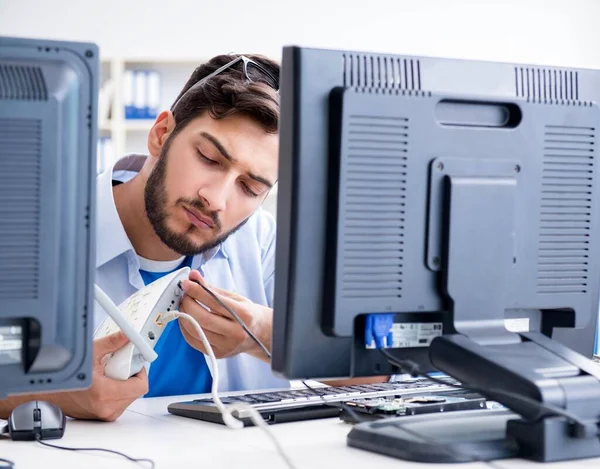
(179,368)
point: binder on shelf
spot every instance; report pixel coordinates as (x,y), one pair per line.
(141,94)
(153,90)
(128,94)
(139,97)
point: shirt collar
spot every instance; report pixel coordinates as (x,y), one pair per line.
(111,238)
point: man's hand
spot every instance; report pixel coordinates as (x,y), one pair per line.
(107,398)
(223,332)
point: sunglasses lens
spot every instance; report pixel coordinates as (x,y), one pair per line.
(256,73)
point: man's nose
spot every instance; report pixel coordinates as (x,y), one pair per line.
(215,195)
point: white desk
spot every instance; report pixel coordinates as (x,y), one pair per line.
(147,430)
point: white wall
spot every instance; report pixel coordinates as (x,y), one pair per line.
(550,32)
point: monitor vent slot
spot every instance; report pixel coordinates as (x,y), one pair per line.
(21,82)
(374,207)
(546,85)
(565,219)
(20,178)
(381,72)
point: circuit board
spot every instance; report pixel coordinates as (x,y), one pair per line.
(396,406)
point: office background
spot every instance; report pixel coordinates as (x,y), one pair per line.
(149,48)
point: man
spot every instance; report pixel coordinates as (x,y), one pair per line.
(195,201)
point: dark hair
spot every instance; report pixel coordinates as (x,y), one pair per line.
(229,93)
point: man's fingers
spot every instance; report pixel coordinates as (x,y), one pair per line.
(132,388)
(215,340)
(108,344)
(196,292)
(138,383)
(227,294)
(207,321)
(196,277)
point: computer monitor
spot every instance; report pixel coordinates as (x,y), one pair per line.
(48,109)
(448,194)
(385,253)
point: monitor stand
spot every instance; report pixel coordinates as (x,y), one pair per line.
(477,435)
(478,257)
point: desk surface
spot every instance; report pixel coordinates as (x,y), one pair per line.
(147,430)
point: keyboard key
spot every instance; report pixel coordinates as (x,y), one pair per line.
(299,394)
(281,395)
(263,397)
(242,398)
(325,392)
(225,400)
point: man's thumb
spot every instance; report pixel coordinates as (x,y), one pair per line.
(110,343)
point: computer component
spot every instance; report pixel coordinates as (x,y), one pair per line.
(41,421)
(303,404)
(451,195)
(478,435)
(142,310)
(375,408)
(48,113)
(36,419)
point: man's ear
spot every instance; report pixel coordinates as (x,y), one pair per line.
(160,131)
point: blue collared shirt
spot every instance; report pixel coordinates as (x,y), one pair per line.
(244,264)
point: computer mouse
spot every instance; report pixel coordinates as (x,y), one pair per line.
(36,419)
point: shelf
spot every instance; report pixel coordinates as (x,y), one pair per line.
(138,125)
(133,125)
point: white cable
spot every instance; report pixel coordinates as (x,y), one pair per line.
(228,418)
(115,313)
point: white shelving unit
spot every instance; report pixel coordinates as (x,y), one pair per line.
(124,133)
(130,135)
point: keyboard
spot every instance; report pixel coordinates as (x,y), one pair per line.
(303,404)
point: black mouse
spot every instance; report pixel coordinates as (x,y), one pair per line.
(36,419)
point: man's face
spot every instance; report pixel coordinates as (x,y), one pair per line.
(208,181)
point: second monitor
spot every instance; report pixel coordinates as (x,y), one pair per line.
(373,149)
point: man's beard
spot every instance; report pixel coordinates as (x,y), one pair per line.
(155,198)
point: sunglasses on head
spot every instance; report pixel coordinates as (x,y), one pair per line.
(252,70)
